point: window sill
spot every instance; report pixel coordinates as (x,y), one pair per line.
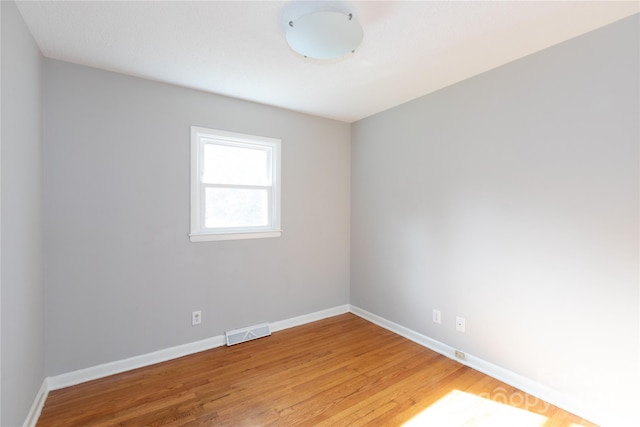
(233,236)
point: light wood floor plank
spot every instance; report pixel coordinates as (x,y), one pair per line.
(341,371)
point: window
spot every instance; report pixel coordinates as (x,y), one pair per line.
(235,186)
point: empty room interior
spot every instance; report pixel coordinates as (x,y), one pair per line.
(443,217)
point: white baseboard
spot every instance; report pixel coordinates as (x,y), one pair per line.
(409,334)
(119,366)
(308,318)
(527,385)
(38,404)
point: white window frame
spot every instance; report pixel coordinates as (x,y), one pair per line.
(199,233)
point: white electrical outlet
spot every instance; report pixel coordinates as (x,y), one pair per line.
(436,316)
(460,324)
(196,318)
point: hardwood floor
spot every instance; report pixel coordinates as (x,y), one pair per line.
(336,372)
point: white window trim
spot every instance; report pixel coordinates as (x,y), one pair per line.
(201,234)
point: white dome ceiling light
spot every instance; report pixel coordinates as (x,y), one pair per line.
(324,34)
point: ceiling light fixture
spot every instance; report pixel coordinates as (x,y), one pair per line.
(324,34)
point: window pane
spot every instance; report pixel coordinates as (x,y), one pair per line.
(230,207)
(236,165)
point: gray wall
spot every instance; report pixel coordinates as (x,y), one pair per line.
(511,199)
(121,275)
(21,225)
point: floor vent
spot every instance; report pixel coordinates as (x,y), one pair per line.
(249,333)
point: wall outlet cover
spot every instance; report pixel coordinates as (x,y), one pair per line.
(437,318)
(196,318)
(460,355)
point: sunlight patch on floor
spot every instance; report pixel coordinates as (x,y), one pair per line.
(458,408)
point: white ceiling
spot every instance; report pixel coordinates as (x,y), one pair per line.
(238,48)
